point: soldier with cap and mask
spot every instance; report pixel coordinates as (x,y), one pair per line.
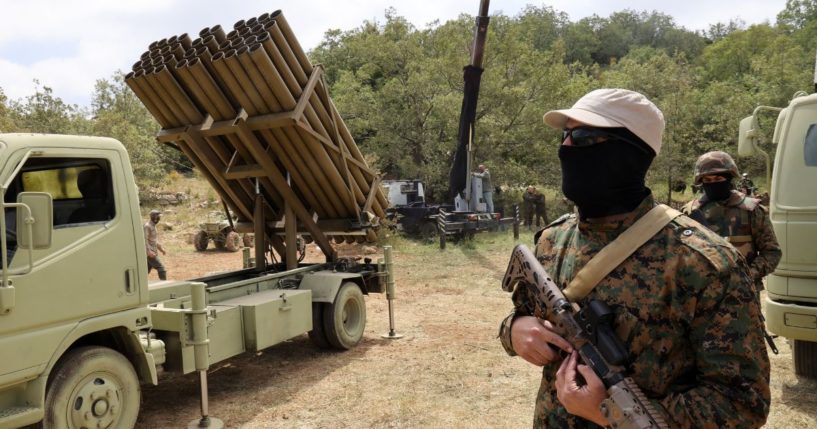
(683,301)
(733,215)
(153,246)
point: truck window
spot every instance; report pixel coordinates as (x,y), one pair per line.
(810,147)
(798,158)
(81,188)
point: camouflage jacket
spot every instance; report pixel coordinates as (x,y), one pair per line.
(686,308)
(744,223)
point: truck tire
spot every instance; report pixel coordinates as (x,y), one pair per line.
(201,241)
(92,387)
(318,335)
(345,319)
(219,241)
(805,358)
(233,242)
(428,232)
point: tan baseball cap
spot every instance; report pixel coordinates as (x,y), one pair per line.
(611,108)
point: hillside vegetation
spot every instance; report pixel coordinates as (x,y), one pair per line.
(399,89)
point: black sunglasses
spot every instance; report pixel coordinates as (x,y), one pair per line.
(588,136)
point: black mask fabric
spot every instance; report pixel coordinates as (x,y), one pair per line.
(718,191)
(606,178)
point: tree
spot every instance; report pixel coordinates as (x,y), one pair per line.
(6,121)
(119,114)
(43,112)
(720,30)
(797,14)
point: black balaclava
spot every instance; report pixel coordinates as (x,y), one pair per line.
(606,178)
(718,191)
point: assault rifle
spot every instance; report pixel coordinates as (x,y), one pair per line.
(588,330)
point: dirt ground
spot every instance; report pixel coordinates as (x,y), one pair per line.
(448,370)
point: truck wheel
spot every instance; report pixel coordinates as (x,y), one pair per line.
(345,319)
(428,232)
(318,335)
(805,358)
(200,241)
(233,242)
(92,387)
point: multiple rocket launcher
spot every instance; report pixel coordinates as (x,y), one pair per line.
(252,113)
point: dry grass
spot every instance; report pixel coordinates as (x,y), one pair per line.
(448,370)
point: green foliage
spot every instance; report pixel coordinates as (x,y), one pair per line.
(43,112)
(6,121)
(399,89)
(798,14)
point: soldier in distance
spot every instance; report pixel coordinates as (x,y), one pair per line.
(739,218)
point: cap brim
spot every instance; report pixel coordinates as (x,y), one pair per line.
(558,118)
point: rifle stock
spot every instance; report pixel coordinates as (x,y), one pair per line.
(589,332)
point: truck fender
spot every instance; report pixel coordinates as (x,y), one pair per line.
(118,331)
(325,284)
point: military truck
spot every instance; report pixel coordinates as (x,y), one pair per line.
(81,327)
(416,217)
(791,291)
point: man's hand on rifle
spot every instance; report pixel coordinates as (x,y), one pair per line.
(532,338)
(580,400)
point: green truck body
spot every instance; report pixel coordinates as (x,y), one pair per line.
(81,327)
(791,291)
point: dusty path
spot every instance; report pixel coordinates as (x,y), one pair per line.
(448,370)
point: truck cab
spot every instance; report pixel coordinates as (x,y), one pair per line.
(791,300)
(88,278)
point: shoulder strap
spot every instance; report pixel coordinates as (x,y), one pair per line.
(620,249)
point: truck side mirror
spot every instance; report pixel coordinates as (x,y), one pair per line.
(41,219)
(747,136)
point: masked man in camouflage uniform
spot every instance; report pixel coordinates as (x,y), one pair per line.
(683,302)
(733,215)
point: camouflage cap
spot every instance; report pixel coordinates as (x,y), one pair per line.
(715,162)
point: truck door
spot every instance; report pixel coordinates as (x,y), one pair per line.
(90,268)
(794,199)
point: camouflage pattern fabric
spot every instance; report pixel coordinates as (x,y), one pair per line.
(715,162)
(684,304)
(745,223)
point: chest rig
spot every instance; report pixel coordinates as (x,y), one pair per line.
(731,221)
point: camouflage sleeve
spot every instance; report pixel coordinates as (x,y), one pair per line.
(768,249)
(523,304)
(731,379)
(505,334)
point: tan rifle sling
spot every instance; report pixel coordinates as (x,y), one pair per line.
(620,249)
